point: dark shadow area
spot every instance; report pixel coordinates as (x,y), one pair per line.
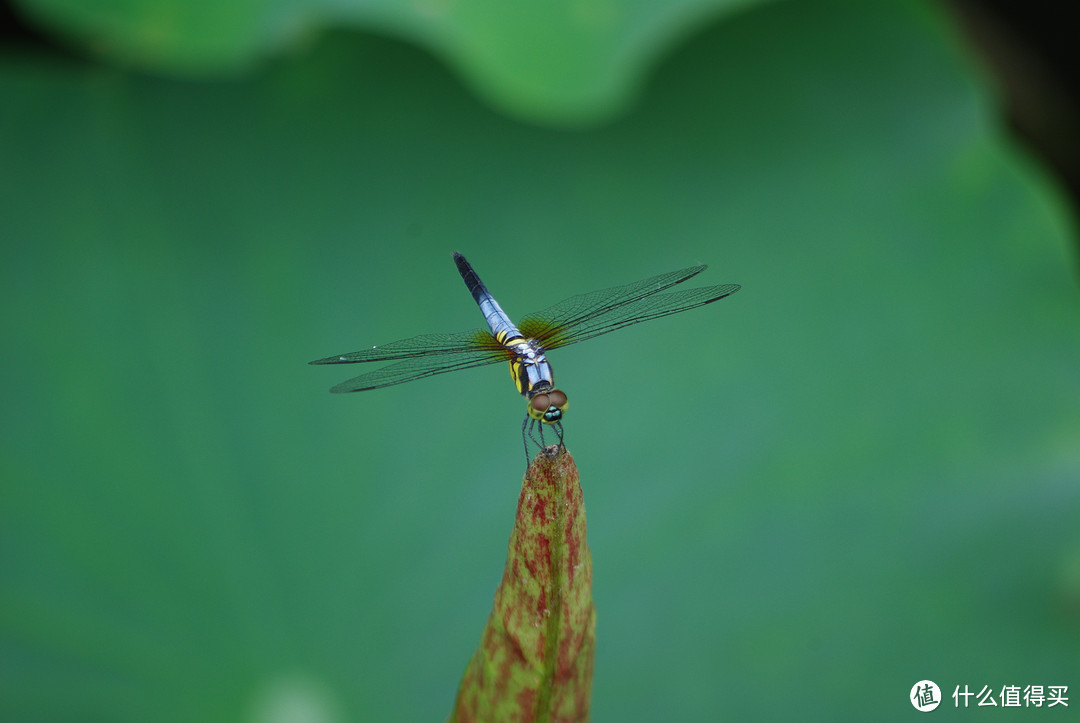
(1030,51)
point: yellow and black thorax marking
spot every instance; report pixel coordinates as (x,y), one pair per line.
(529,367)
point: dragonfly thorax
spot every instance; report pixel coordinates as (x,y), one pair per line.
(529,368)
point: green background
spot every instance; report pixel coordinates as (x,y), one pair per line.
(859,472)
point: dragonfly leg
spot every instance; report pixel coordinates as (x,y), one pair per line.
(529,429)
(525,438)
(533,424)
(528,433)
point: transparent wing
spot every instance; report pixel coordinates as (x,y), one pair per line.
(418,357)
(590,315)
(465,342)
(408,370)
(576,310)
(572,320)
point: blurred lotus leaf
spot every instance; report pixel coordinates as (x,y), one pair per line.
(857,473)
(561,61)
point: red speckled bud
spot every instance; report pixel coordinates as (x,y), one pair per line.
(535,658)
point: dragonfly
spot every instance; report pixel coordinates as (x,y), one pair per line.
(524,346)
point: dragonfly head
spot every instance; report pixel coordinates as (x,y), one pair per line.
(548,407)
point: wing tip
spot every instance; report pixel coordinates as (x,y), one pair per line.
(345,388)
(690,272)
(724,291)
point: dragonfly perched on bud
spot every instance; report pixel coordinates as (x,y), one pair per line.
(524,346)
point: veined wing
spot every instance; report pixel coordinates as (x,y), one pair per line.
(465,342)
(419,367)
(623,315)
(568,313)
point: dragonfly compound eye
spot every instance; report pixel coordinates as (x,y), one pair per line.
(538,406)
(557,405)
